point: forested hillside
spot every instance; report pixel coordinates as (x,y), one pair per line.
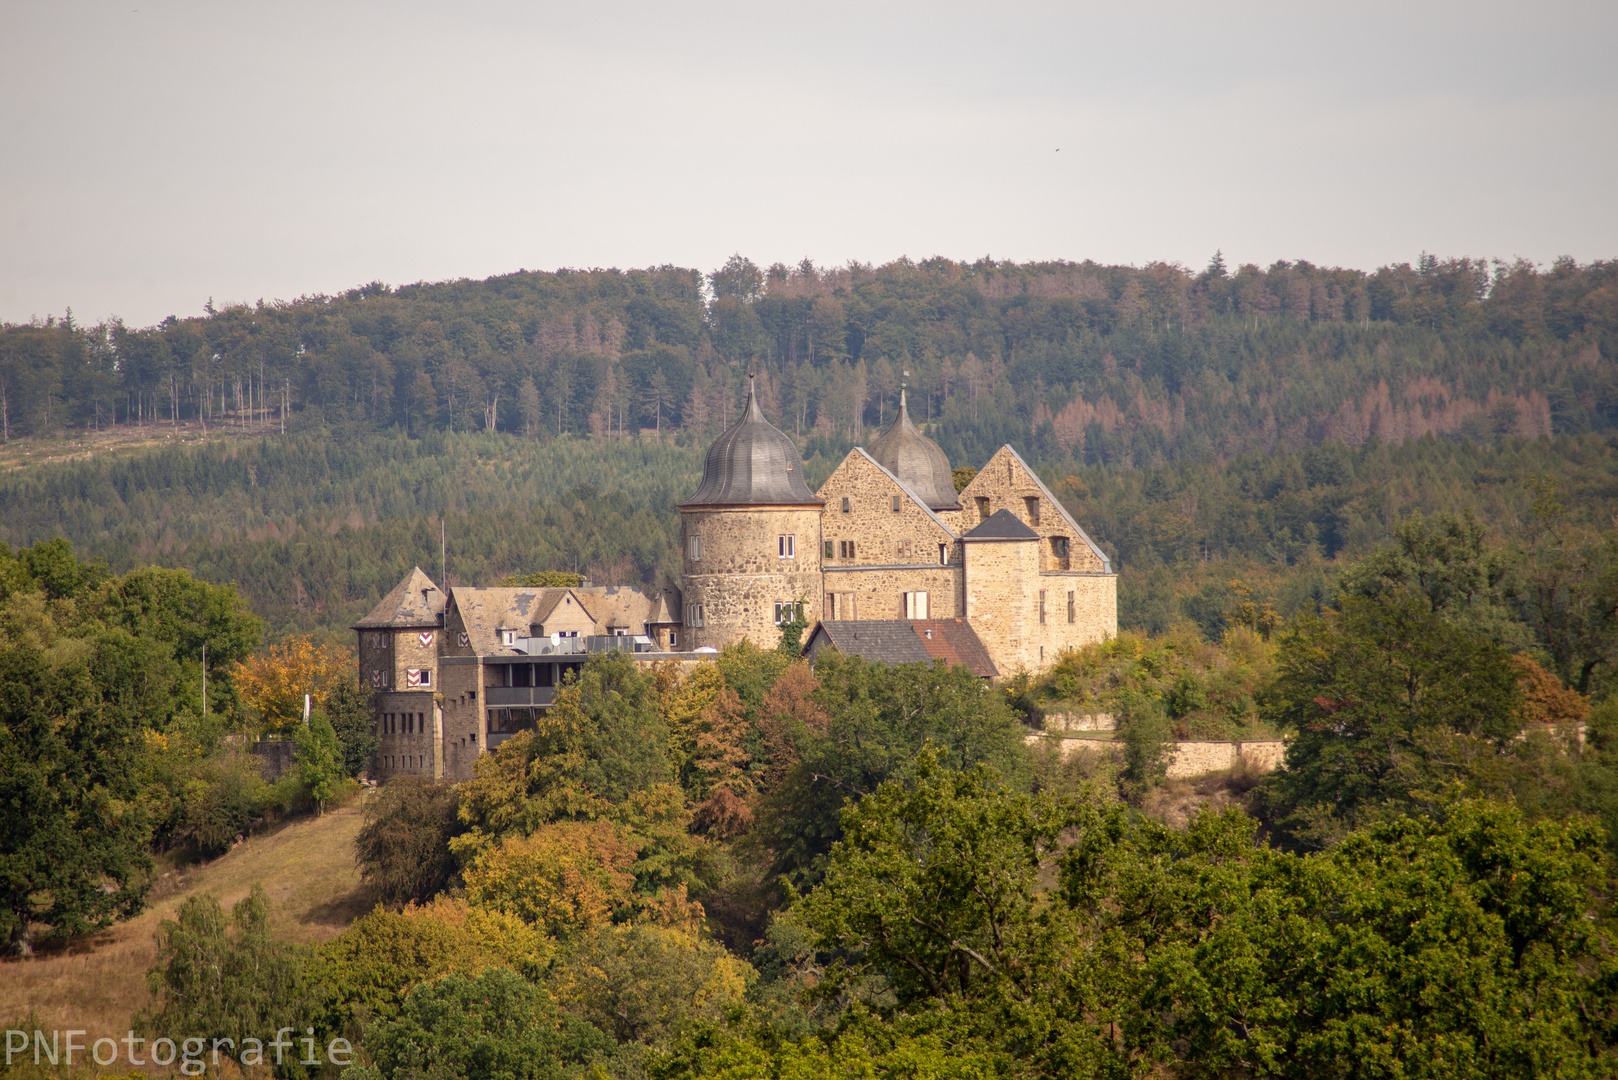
(1205,427)
(1112,365)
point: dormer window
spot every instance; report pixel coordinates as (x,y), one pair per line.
(508,637)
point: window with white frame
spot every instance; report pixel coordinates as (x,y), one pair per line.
(786,611)
(508,637)
(786,547)
(694,547)
(915,604)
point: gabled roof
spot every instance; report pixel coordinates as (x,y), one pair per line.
(909,492)
(1106,563)
(1002,525)
(415,601)
(906,641)
(886,641)
(955,642)
(484,612)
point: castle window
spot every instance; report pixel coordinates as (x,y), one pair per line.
(1032,503)
(845,549)
(896,504)
(785,612)
(786,547)
(508,637)
(695,546)
(1042,607)
(943,554)
(1059,552)
(828,549)
(845,504)
(983,507)
(1072,612)
(915,605)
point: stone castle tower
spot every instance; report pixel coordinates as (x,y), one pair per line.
(750,537)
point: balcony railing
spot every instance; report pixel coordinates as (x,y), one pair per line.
(506,696)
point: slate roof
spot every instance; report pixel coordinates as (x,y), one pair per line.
(1002,525)
(917,461)
(484,612)
(955,642)
(887,641)
(668,608)
(415,601)
(752,464)
(905,641)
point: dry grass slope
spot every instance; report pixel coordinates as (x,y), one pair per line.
(96,983)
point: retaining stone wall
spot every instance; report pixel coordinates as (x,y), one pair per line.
(1193,759)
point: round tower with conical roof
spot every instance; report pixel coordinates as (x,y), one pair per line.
(750,537)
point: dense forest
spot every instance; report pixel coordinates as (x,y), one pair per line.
(758,869)
(1108,365)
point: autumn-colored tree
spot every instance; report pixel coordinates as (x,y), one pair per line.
(564,878)
(1545,699)
(788,710)
(273,683)
(373,964)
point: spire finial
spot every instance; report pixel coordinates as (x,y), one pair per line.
(753,411)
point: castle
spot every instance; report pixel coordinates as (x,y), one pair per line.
(886,559)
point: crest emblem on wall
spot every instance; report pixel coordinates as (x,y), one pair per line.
(426,638)
(376,677)
(465,640)
(413,676)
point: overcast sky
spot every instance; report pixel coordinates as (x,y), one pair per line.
(154,154)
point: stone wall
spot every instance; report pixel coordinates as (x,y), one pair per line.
(1006,484)
(997,600)
(278,756)
(1057,723)
(739,576)
(464,700)
(878,592)
(882,536)
(1191,759)
(405,752)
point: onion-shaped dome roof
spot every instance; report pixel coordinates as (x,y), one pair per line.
(753,464)
(917,461)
